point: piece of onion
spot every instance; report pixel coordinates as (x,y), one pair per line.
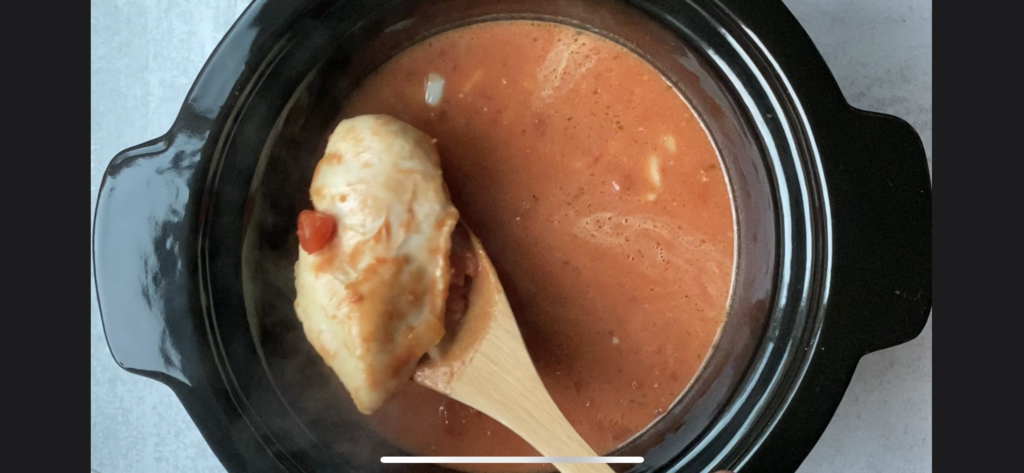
(434,89)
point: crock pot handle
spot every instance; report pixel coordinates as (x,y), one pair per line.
(879,191)
(880,194)
(139,241)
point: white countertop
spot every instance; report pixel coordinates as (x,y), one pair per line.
(145,55)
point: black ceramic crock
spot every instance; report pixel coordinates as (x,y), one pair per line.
(194,231)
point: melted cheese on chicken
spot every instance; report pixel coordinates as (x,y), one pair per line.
(372,300)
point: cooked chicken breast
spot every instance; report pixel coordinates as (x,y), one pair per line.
(373,268)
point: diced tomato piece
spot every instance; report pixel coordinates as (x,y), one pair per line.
(315,230)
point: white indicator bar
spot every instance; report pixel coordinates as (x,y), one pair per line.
(511,459)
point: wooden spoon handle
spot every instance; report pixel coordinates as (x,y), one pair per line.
(502,382)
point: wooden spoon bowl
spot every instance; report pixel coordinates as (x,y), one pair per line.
(484,364)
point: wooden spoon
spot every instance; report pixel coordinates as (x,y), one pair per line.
(484,364)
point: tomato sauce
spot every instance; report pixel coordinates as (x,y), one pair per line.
(601,201)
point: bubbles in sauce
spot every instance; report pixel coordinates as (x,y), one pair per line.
(600,199)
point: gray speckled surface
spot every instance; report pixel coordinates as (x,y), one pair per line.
(146,53)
